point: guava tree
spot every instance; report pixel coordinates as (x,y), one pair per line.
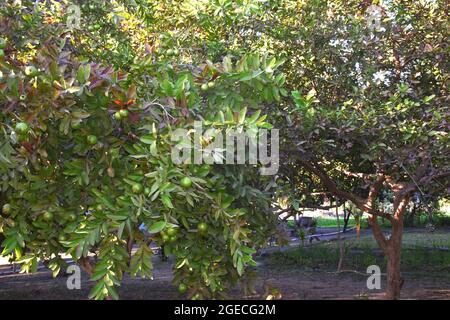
(369,111)
(85,160)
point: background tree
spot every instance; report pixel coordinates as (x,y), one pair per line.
(373,115)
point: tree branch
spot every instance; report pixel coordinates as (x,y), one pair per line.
(362,204)
(86,265)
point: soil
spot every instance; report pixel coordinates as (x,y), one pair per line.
(293,284)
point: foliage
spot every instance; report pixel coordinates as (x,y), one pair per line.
(87,116)
(81,176)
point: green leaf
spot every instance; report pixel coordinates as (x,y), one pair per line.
(141,262)
(168,88)
(153,149)
(240,266)
(147,139)
(80,74)
(227,200)
(246,76)
(166,201)
(229,115)
(9,245)
(105,200)
(98,274)
(74,89)
(117,217)
(157,227)
(254,117)
(248,250)
(242,115)
(96,290)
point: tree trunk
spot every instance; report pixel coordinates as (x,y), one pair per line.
(393,253)
(85,264)
(346,218)
(341,247)
(394,279)
(392,248)
(358,225)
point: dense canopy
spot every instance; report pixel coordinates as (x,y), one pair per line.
(92,92)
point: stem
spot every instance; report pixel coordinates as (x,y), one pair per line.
(341,247)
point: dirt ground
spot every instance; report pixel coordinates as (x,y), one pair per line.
(293,284)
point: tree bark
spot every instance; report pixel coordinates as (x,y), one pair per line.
(85,264)
(392,247)
(341,247)
(358,227)
(393,252)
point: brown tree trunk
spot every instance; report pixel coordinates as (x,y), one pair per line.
(394,244)
(393,253)
(394,279)
(341,246)
(358,225)
(85,264)
(392,248)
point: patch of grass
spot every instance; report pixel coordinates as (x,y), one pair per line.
(440,219)
(325,222)
(437,239)
(411,240)
(421,253)
(331,222)
(321,257)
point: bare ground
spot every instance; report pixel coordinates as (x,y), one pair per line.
(293,284)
